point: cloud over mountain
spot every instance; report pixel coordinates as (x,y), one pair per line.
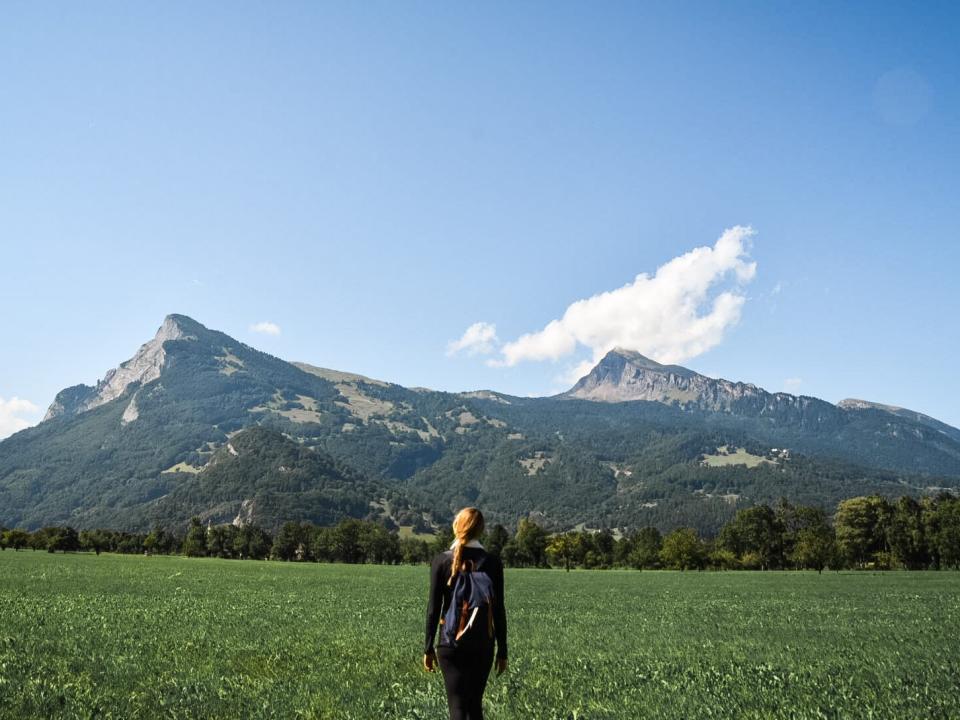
(478,339)
(11,412)
(680,312)
(265,328)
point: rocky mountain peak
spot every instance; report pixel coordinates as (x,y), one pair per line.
(625,375)
(145,366)
(628,375)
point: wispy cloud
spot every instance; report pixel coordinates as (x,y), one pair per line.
(265,328)
(12,414)
(680,312)
(478,339)
(791,385)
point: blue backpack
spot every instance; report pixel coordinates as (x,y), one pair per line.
(468,619)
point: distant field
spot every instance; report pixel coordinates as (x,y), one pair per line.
(738,456)
(134,637)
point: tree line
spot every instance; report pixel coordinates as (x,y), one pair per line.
(865,532)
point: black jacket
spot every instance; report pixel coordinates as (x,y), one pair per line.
(440,594)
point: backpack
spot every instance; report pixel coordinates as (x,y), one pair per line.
(468,619)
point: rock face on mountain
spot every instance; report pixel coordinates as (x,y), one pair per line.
(625,375)
(142,368)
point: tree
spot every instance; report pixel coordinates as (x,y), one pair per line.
(442,540)
(496,539)
(347,544)
(947,538)
(291,542)
(220,541)
(413,550)
(16,539)
(378,545)
(682,550)
(646,548)
(195,543)
(861,526)
(603,545)
(251,542)
(531,540)
(815,547)
(905,535)
(561,549)
(64,539)
(96,540)
(755,530)
(322,546)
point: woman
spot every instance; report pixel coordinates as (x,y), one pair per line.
(466,666)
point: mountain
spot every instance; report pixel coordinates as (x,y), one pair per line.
(625,375)
(855,430)
(197,423)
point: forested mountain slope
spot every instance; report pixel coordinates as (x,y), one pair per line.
(634,443)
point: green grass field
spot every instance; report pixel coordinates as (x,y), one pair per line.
(132,637)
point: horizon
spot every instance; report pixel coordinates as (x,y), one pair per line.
(488,197)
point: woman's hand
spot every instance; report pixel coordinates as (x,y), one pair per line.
(430,661)
(500,665)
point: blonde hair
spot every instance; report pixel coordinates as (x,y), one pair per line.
(467,526)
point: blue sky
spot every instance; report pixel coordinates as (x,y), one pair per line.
(373,179)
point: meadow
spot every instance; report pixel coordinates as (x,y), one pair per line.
(129,637)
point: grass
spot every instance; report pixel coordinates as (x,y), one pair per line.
(738,457)
(407,531)
(132,637)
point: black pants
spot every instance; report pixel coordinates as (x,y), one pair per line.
(465,672)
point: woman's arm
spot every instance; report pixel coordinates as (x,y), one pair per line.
(434,602)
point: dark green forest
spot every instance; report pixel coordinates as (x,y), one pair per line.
(863,533)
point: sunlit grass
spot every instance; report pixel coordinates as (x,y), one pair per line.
(135,637)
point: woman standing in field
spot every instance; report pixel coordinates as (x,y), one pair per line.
(466,600)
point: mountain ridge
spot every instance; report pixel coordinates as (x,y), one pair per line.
(149,443)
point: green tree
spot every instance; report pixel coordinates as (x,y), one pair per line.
(195,543)
(561,549)
(861,527)
(95,540)
(292,542)
(347,541)
(755,530)
(64,539)
(441,540)
(220,541)
(905,535)
(647,545)
(378,545)
(251,543)
(531,540)
(683,550)
(496,539)
(16,539)
(815,546)
(414,550)
(947,538)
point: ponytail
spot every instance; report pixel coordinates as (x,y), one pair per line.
(467,526)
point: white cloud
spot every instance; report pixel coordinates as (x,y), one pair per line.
(478,339)
(671,317)
(267,328)
(791,385)
(11,412)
